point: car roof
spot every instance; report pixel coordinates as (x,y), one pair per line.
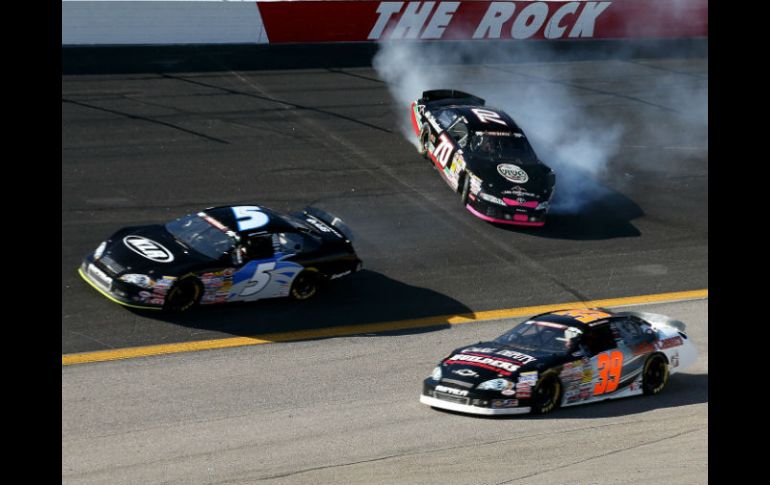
(225,215)
(582,318)
(475,124)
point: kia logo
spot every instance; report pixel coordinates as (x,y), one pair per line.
(512,173)
(148,249)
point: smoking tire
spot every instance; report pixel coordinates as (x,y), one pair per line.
(422,147)
(466,188)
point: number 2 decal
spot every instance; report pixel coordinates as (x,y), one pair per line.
(610,365)
(249,217)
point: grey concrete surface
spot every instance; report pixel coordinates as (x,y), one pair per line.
(346,410)
(141,148)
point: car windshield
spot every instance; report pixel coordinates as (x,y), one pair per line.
(502,147)
(195,232)
(537,336)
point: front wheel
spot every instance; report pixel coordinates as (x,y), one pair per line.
(546,395)
(183,295)
(305,285)
(655,375)
(422,147)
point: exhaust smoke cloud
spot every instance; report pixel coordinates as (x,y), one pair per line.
(555,102)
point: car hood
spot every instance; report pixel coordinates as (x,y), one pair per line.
(513,178)
(149,250)
(484,361)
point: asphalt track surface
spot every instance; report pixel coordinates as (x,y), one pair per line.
(144,148)
(346,410)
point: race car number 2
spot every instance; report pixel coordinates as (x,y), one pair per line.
(609,366)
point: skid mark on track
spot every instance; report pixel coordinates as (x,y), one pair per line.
(144,118)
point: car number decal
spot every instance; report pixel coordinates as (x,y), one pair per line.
(249,217)
(485,116)
(443,150)
(610,366)
(585,316)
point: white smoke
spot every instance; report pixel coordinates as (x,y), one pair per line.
(569,132)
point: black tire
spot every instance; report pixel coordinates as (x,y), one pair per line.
(655,375)
(305,285)
(185,294)
(422,147)
(546,396)
(466,188)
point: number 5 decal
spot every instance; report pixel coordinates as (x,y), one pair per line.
(249,217)
(260,279)
(610,365)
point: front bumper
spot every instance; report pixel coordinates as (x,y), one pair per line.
(511,214)
(112,288)
(486,403)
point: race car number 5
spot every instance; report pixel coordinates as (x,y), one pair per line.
(249,217)
(610,366)
(260,279)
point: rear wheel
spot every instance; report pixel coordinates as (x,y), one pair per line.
(422,148)
(183,295)
(655,375)
(305,285)
(466,188)
(546,395)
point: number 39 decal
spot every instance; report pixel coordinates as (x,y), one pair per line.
(610,365)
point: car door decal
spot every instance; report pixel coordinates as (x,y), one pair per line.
(266,278)
(443,150)
(609,369)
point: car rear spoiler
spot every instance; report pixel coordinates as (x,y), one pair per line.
(656,319)
(442,94)
(331,220)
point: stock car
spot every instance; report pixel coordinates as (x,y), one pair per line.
(562,358)
(484,156)
(222,254)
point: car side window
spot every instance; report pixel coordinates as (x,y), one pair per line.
(598,339)
(460,133)
(628,332)
(259,247)
(446,117)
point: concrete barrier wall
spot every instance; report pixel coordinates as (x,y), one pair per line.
(108,22)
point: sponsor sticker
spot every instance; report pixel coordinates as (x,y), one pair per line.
(670,342)
(514,173)
(505,403)
(452,390)
(466,373)
(148,248)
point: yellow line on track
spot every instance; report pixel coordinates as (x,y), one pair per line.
(133,352)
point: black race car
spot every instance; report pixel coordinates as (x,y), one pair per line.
(222,254)
(484,156)
(561,358)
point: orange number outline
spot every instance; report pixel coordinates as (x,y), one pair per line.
(610,366)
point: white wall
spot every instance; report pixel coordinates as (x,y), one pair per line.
(161,22)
